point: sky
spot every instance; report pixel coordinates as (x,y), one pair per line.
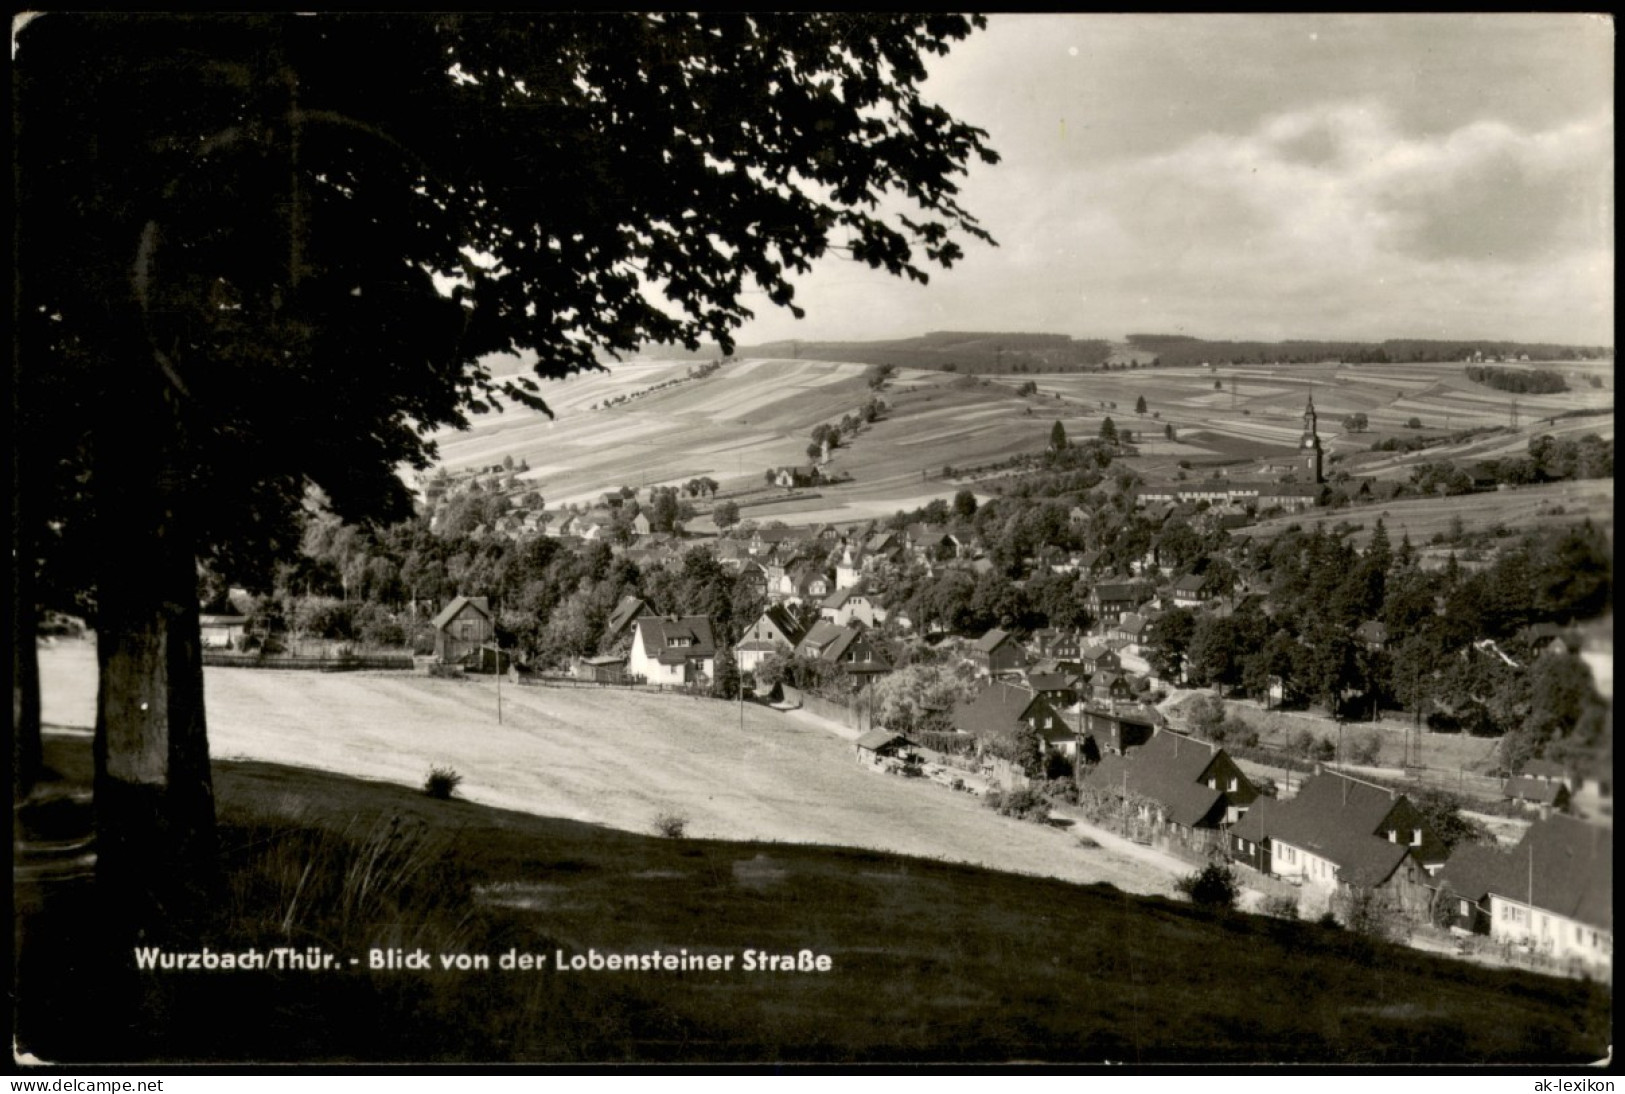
(1267,176)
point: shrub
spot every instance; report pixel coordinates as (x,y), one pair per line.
(1213,886)
(1366,913)
(1023,804)
(441,782)
(1280,907)
(1061,789)
(670,825)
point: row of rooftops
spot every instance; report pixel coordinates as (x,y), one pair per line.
(1562,865)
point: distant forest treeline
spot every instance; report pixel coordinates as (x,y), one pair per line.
(1178,349)
(980,352)
(968,352)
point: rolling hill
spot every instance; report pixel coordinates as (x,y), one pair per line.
(645,423)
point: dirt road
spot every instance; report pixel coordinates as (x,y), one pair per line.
(614,757)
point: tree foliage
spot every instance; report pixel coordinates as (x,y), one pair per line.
(245,268)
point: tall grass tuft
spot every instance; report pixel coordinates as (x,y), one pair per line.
(441,782)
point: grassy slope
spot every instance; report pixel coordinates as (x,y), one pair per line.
(932,962)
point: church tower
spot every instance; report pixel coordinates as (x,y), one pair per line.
(1311,444)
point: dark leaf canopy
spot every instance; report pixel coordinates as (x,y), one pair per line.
(314,231)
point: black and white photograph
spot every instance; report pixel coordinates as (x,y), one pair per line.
(829,541)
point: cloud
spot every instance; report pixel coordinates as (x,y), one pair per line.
(1334,202)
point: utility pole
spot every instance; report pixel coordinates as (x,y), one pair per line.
(499,682)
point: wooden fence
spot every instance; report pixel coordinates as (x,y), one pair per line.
(854,713)
(564,680)
(372,662)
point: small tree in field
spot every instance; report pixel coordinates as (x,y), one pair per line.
(1213,886)
(1057,437)
(1108,431)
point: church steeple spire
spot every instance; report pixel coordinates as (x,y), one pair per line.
(1311,443)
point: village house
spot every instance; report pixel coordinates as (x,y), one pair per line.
(848,605)
(805,583)
(673,649)
(1065,647)
(791,478)
(1131,629)
(878,746)
(1555,892)
(1098,657)
(463,626)
(1192,591)
(854,648)
(1190,788)
(753,578)
(1109,601)
(1540,785)
(223,620)
(931,543)
(996,653)
(1111,686)
(775,631)
(609,668)
(1000,712)
(1057,689)
(765,540)
(1115,731)
(1341,834)
(627,609)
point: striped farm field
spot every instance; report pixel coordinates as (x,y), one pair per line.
(758,413)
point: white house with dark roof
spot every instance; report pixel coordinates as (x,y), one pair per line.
(775,631)
(845,606)
(1555,891)
(670,649)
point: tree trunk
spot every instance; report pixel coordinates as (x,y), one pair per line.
(154,796)
(26,754)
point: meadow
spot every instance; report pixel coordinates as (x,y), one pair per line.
(927,962)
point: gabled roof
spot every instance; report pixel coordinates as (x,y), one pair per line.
(1254,826)
(1571,866)
(1191,583)
(655,632)
(1167,769)
(839,597)
(1338,818)
(995,711)
(781,617)
(991,641)
(1473,870)
(451,611)
(876,739)
(1544,769)
(231,604)
(820,636)
(1526,788)
(627,609)
(1120,590)
(1048,681)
